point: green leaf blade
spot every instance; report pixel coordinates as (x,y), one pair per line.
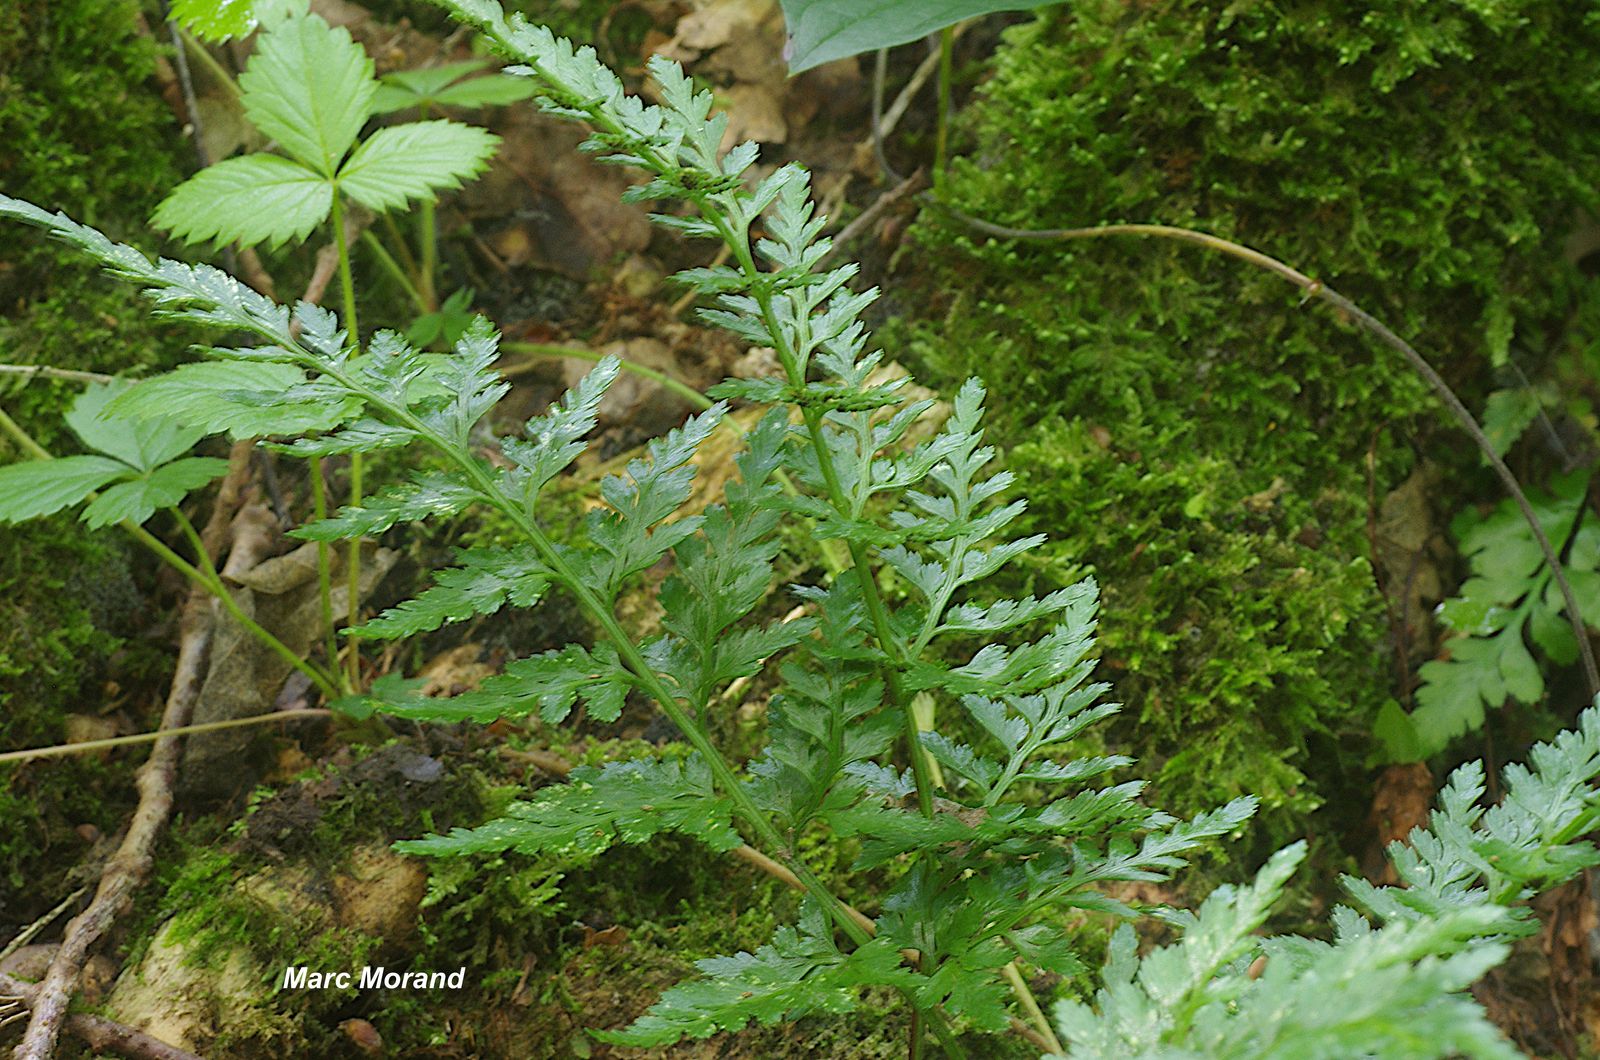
(43,487)
(143,443)
(821,31)
(310,88)
(253,199)
(245,399)
(137,500)
(415,161)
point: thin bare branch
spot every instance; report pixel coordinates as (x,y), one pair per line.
(1371,325)
(99,1033)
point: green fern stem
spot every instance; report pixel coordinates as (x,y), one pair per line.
(394,269)
(347,288)
(739,241)
(319,509)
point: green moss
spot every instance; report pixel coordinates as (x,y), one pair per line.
(85,131)
(1183,429)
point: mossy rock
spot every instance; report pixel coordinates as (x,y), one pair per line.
(85,131)
(1184,427)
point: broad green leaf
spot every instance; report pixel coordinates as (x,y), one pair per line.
(1398,736)
(414,161)
(138,499)
(441,86)
(243,398)
(1450,700)
(44,487)
(144,443)
(309,87)
(426,83)
(390,98)
(219,20)
(248,200)
(821,31)
(497,90)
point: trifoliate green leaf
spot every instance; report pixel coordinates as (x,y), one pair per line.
(138,499)
(43,487)
(415,161)
(252,199)
(309,87)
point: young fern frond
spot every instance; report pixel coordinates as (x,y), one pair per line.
(1399,986)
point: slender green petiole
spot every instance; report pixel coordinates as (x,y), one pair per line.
(319,510)
(941,136)
(212,580)
(347,288)
(395,271)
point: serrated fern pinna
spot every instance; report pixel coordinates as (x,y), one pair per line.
(988,858)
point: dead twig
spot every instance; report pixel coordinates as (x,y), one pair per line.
(97,1032)
(128,867)
(126,870)
(27,934)
(71,375)
(902,191)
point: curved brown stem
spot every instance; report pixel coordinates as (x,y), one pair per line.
(1371,325)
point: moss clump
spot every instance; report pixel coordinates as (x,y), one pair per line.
(1181,427)
(85,132)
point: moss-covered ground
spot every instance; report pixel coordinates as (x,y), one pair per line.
(1212,448)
